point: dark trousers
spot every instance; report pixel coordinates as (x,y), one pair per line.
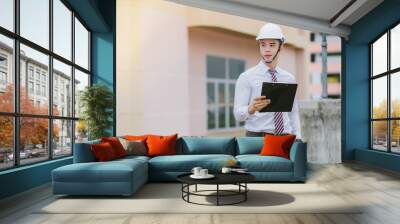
(254,134)
(260,134)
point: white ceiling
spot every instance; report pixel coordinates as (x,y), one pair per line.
(314,15)
(320,10)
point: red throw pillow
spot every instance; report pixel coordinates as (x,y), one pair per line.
(116,145)
(161,145)
(103,151)
(277,145)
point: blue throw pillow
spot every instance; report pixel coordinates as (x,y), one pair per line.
(249,145)
(193,145)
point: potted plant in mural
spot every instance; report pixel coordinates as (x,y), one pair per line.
(96,103)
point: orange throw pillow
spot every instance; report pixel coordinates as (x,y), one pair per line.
(116,145)
(161,145)
(103,151)
(277,145)
(136,137)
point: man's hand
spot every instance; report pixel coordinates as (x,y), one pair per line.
(258,103)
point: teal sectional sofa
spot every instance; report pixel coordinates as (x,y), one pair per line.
(125,176)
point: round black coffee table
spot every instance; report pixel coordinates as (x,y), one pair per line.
(238,179)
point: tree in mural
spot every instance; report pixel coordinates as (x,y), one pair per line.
(6,133)
(6,122)
(81,130)
(396,123)
(380,127)
(33,131)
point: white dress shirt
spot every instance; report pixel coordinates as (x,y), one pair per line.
(248,86)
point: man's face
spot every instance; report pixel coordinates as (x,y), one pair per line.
(268,48)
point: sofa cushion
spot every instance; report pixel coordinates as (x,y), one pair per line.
(83,152)
(103,152)
(134,147)
(249,145)
(191,145)
(277,145)
(111,171)
(131,158)
(116,145)
(136,137)
(257,163)
(185,163)
(161,145)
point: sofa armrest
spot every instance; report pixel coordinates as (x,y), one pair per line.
(83,152)
(298,155)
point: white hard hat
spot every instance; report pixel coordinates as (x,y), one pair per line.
(270,31)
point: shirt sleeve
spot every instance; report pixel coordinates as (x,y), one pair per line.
(242,99)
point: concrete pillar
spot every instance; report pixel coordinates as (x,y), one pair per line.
(320,127)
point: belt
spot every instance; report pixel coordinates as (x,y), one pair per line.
(252,133)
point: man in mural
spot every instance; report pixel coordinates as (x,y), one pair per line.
(248,101)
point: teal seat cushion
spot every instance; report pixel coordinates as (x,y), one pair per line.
(195,145)
(132,158)
(257,163)
(185,163)
(111,171)
(249,145)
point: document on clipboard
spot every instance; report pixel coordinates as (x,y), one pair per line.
(281,95)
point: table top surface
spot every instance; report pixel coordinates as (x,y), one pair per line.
(220,178)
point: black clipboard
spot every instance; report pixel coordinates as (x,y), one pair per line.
(281,96)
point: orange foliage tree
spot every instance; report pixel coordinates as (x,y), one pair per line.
(379,127)
(33,130)
(6,122)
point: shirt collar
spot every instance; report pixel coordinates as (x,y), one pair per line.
(264,69)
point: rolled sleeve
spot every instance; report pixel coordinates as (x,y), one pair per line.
(242,99)
(242,113)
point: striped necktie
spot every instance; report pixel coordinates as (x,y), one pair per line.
(278,116)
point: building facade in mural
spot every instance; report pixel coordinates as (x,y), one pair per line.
(34,91)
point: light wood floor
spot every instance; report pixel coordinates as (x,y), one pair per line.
(378,188)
